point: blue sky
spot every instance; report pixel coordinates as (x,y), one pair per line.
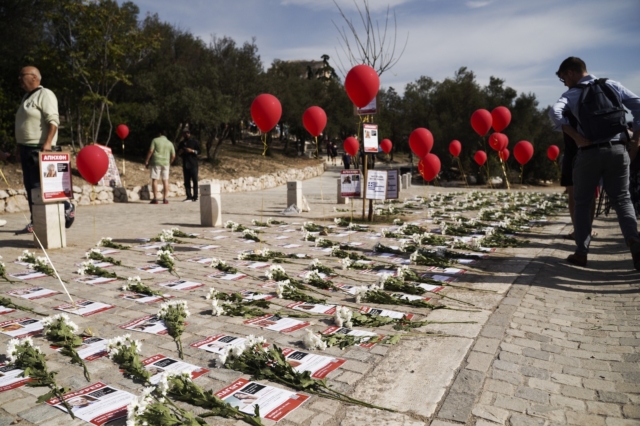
(521,41)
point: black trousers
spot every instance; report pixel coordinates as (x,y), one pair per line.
(191,175)
(30,170)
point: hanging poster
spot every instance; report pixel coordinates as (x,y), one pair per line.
(55,176)
(393,189)
(350,183)
(370,139)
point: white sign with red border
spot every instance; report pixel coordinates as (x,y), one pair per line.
(158,364)
(55,176)
(370,138)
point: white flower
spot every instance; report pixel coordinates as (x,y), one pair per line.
(50,322)
(312,341)
(382,279)
(256,343)
(103,240)
(163,383)
(243,255)
(117,344)
(217,263)
(404,270)
(212,294)
(342,317)
(11,349)
(84,267)
(346,263)
(216,308)
(179,305)
(398,221)
(222,359)
(360,291)
(281,286)
(249,234)
(164,253)
(93,250)
(238,350)
(320,242)
(166,235)
(311,276)
(275,271)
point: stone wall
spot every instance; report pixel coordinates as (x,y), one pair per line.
(12,201)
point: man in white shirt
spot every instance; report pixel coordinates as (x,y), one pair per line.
(36,128)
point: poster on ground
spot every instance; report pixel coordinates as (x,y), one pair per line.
(370,138)
(55,176)
(21,327)
(181,285)
(376,185)
(218,343)
(143,298)
(92,348)
(148,324)
(274,403)
(350,183)
(112,177)
(350,332)
(97,404)
(158,364)
(313,307)
(84,308)
(385,313)
(277,323)
(319,366)
(10,377)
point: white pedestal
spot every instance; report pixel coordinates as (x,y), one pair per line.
(210,205)
(48,222)
(340,199)
(294,193)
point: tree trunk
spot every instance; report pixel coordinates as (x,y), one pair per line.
(223,136)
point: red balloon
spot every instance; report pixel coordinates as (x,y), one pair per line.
(481,121)
(386,145)
(314,120)
(523,151)
(266,111)
(429,167)
(504,154)
(351,145)
(455,147)
(498,141)
(92,163)
(362,84)
(122,131)
(552,152)
(480,157)
(421,142)
(501,118)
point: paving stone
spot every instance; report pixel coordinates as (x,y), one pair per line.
(506,376)
(524,420)
(563,401)
(534,372)
(613,421)
(584,419)
(493,414)
(486,345)
(479,361)
(631,411)
(603,408)
(616,397)
(532,395)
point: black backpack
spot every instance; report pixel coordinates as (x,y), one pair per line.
(600,111)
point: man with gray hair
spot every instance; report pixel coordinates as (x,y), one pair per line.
(600,133)
(36,128)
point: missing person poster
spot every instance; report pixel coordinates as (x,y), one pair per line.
(158,364)
(370,139)
(313,307)
(274,403)
(11,377)
(84,308)
(350,332)
(350,183)
(97,404)
(277,323)
(92,348)
(319,366)
(376,185)
(32,293)
(55,176)
(148,324)
(217,344)
(21,327)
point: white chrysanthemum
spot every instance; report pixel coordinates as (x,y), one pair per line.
(249,233)
(237,350)
(212,294)
(216,308)
(310,276)
(398,222)
(222,358)
(382,279)
(342,317)
(320,242)
(312,341)
(281,286)
(103,240)
(443,228)
(164,253)
(163,383)
(11,349)
(404,270)
(50,322)
(84,267)
(166,307)
(93,250)
(243,255)
(275,271)
(256,342)
(346,263)
(360,291)
(217,263)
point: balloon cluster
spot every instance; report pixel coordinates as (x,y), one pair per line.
(421,142)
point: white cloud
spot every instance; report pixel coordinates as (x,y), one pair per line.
(347,5)
(477,4)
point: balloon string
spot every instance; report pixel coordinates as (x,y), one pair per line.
(264,142)
(462,171)
(504,171)
(317,150)
(521,173)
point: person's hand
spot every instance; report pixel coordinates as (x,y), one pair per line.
(46,147)
(146,165)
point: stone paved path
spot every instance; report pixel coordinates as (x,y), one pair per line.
(552,343)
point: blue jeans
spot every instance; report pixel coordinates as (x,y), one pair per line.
(30,171)
(611,163)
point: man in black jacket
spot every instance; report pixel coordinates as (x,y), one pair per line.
(189,149)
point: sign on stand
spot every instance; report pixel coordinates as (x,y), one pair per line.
(376,185)
(351,183)
(112,177)
(369,109)
(370,132)
(392,184)
(55,176)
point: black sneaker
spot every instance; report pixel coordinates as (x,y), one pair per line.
(69,214)
(188,200)
(27,230)
(154,201)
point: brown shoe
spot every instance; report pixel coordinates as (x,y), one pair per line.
(577,259)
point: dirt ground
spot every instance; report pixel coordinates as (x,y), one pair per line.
(242,160)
